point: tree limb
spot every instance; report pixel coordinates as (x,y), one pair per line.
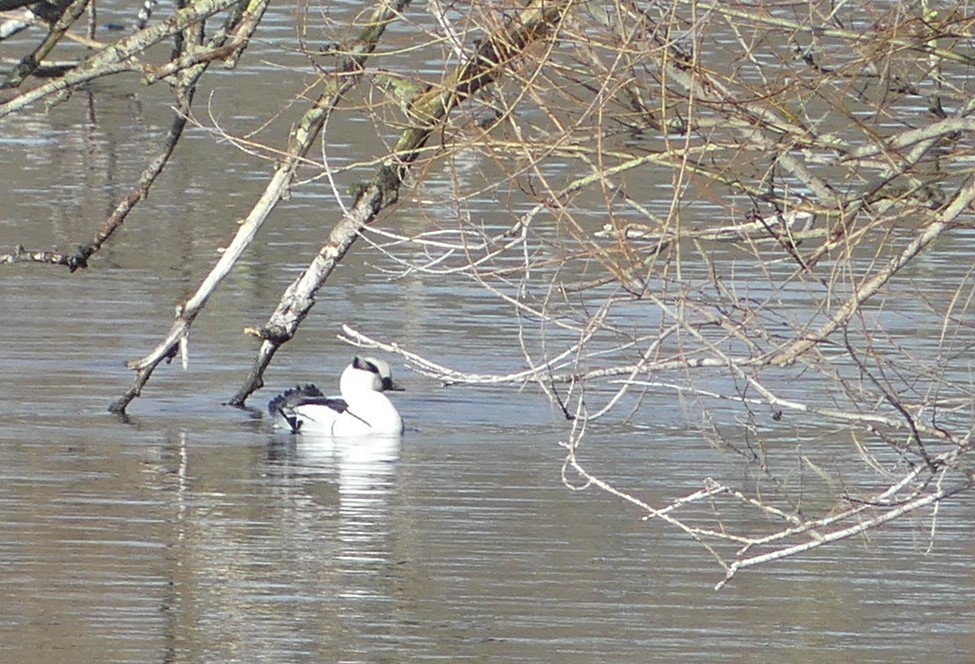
(300,141)
(428,110)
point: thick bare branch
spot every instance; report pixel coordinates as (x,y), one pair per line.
(427,111)
(300,141)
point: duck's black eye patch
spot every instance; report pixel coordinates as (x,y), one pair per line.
(365,365)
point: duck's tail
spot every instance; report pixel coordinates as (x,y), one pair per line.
(280,406)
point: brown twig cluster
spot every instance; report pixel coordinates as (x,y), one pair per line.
(831,149)
(719,202)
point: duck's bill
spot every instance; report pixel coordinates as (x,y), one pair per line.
(391,386)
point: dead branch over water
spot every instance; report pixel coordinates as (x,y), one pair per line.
(427,110)
(710,224)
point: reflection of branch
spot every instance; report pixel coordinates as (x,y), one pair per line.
(79,258)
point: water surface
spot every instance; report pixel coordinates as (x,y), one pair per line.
(192,532)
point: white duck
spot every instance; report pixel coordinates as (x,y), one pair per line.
(362,410)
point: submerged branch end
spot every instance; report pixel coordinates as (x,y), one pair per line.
(73,262)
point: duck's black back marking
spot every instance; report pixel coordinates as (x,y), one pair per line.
(338,404)
(293,397)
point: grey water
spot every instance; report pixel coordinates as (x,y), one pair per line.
(193,532)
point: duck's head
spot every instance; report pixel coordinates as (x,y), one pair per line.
(385,374)
(367,375)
